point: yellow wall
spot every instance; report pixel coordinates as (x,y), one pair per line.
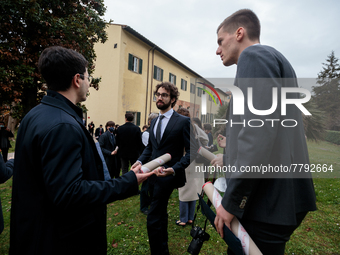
(122,90)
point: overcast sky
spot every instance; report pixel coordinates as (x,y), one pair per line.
(305,31)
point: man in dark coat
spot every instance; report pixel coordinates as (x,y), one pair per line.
(108,145)
(129,142)
(59,194)
(271,207)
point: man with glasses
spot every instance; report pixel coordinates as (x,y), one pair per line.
(59,194)
(169,133)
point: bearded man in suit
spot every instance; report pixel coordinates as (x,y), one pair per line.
(169,133)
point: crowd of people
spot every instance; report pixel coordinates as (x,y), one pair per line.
(63,178)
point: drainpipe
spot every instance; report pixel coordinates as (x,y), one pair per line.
(147,87)
(153,58)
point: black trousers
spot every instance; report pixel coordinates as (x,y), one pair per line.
(111,162)
(157,219)
(125,163)
(270,239)
(145,195)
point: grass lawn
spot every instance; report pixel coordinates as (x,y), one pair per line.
(126,225)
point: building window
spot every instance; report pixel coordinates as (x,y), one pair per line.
(158,73)
(199,92)
(192,88)
(184,85)
(135,64)
(172,78)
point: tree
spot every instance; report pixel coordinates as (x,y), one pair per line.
(327,95)
(27,28)
(314,125)
(221,114)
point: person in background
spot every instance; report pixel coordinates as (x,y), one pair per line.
(5,144)
(108,145)
(6,172)
(207,130)
(195,179)
(99,131)
(91,128)
(129,142)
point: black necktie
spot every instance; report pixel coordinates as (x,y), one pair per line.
(158,130)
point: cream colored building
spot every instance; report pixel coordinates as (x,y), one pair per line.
(130,66)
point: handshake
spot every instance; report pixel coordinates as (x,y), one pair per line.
(153,167)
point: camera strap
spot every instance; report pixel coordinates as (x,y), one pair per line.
(197,210)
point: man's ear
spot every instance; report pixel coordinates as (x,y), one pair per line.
(76,80)
(240,33)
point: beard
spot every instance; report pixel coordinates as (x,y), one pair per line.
(163,106)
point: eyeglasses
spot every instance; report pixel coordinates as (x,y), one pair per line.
(163,95)
(90,78)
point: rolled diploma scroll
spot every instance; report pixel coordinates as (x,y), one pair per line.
(205,153)
(156,163)
(249,247)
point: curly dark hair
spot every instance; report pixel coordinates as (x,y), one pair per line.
(171,88)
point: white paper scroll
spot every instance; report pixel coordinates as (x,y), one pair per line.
(249,247)
(206,154)
(150,166)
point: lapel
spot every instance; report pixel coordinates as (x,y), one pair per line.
(169,127)
(112,141)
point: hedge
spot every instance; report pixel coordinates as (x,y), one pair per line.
(332,136)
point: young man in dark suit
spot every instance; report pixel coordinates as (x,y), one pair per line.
(108,144)
(59,195)
(129,142)
(269,209)
(99,132)
(169,133)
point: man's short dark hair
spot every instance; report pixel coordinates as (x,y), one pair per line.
(129,116)
(58,65)
(171,88)
(110,123)
(207,126)
(242,18)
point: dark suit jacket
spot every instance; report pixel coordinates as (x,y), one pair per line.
(59,194)
(278,200)
(106,143)
(97,133)
(129,141)
(175,139)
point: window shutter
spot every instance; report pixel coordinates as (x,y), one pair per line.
(138,119)
(130,65)
(140,65)
(170,77)
(161,74)
(155,72)
(175,80)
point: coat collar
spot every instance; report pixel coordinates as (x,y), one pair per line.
(55,99)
